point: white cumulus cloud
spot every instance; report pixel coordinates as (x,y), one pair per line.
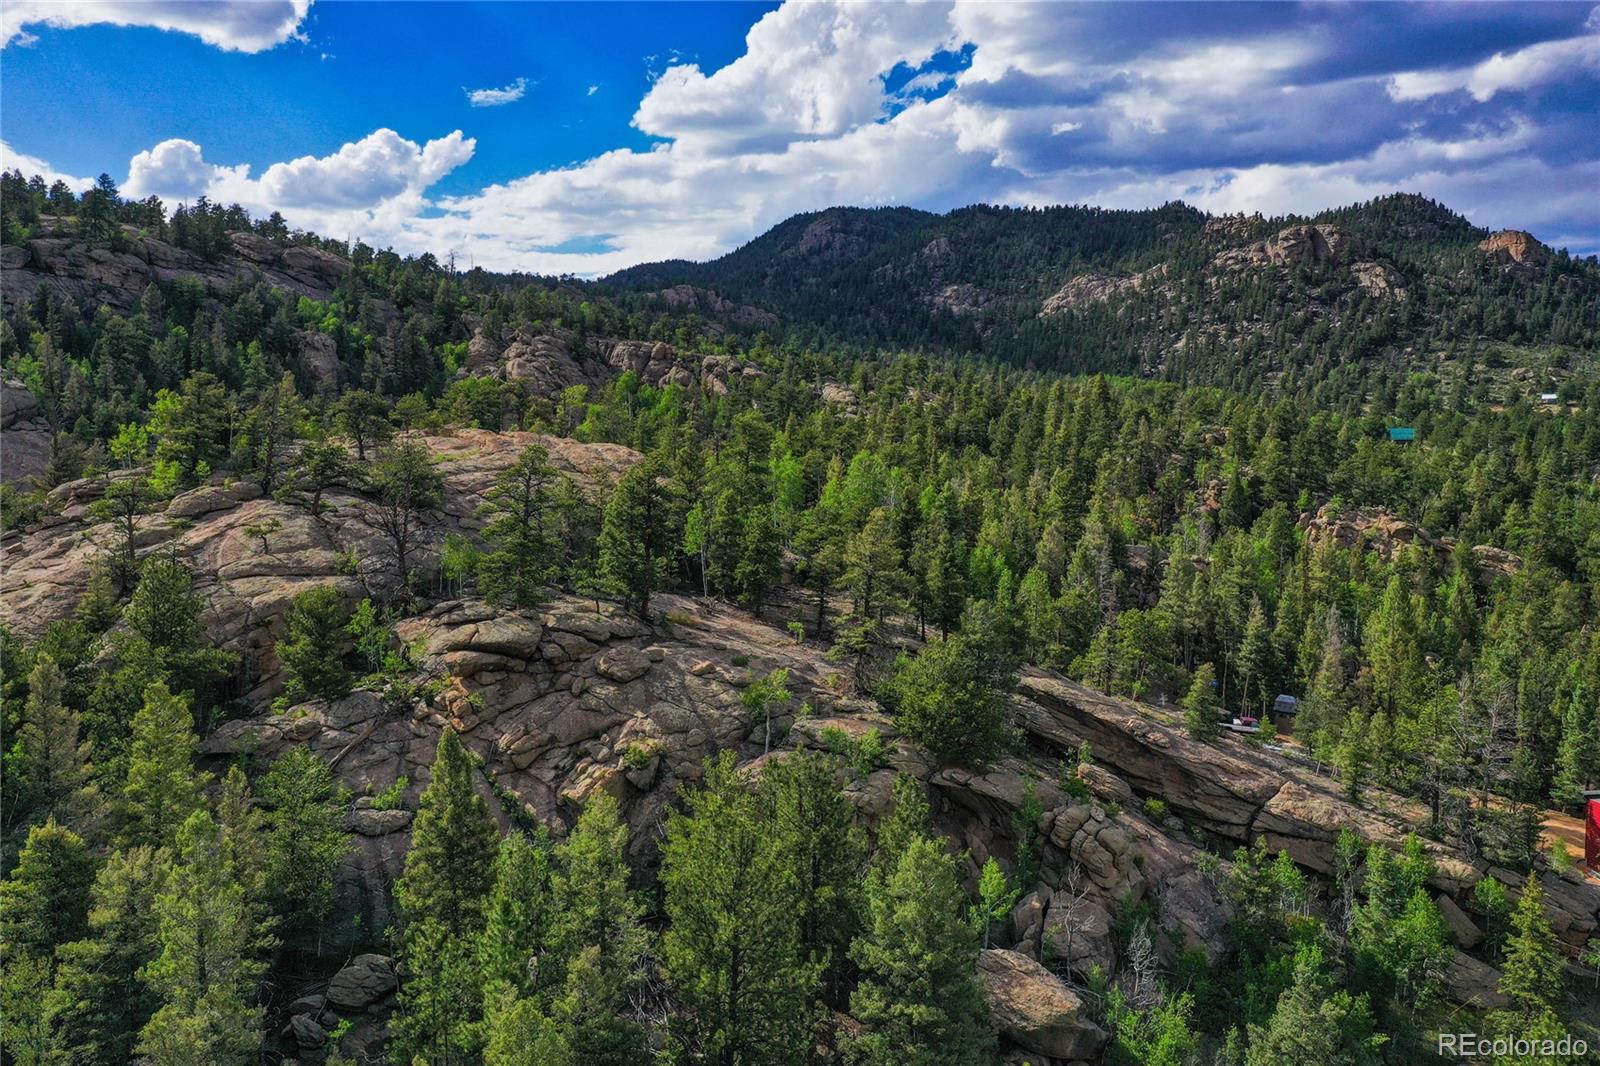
(173,170)
(232,25)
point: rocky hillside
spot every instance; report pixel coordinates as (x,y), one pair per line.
(98,275)
(1161,292)
(578,698)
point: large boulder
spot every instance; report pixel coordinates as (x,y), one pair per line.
(368,979)
(1031,1007)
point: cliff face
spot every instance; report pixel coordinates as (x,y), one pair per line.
(120,277)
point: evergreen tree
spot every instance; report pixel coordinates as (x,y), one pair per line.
(204,975)
(270,431)
(364,418)
(519,1034)
(1201,706)
(1256,661)
(518,913)
(952,698)
(812,828)
(1316,1022)
(1532,977)
(919,1002)
(162,789)
(408,489)
(996,897)
(1578,758)
(760,556)
(53,767)
(306,840)
(311,651)
(320,465)
(29,1012)
(524,531)
(732,951)
(590,902)
(441,896)
(908,821)
(106,999)
(44,902)
(591,1016)
(636,536)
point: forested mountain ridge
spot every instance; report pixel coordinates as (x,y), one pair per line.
(491,660)
(1400,284)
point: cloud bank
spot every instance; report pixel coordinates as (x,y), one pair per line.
(1491,109)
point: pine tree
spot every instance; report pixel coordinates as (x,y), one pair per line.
(408,489)
(812,828)
(441,895)
(107,1000)
(310,651)
(952,699)
(732,950)
(306,840)
(591,1015)
(761,696)
(1578,757)
(364,418)
(449,869)
(1255,660)
(519,913)
(590,902)
(1322,711)
(908,821)
(636,536)
(1316,1022)
(760,556)
(320,465)
(44,902)
(1390,642)
(204,975)
(270,431)
(1532,976)
(1201,706)
(523,533)
(163,789)
(919,1002)
(54,766)
(519,1034)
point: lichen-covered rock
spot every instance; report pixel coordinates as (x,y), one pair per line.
(1031,1007)
(366,980)
(623,664)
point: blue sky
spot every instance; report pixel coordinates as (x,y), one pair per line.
(586,137)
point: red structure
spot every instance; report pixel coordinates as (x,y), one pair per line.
(1591,832)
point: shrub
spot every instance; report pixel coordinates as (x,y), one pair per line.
(389,799)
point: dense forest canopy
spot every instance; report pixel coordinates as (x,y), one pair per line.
(1185,493)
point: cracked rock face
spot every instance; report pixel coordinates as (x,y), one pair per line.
(120,277)
(26,448)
